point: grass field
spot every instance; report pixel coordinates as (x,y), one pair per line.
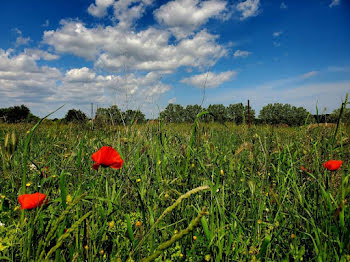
(250,200)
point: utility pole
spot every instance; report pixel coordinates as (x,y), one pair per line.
(248,114)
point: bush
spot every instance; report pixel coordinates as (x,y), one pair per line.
(74,115)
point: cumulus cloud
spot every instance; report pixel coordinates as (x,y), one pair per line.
(248,8)
(99,9)
(209,80)
(240,53)
(146,50)
(23,81)
(334,3)
(128,11)
(37,54)
(83,74)
(185,16)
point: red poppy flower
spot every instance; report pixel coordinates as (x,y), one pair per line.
(107,157)
(305,169)
(333,165)
(29,201)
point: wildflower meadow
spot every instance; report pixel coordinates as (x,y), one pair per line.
(174,192)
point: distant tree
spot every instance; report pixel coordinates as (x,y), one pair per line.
(74,115)
(190,112)
(236,113)
(32,118)
(108,116)
(333,118)
(134,116)
(115,115)
(217,113)
(173,113)
(14,114)
(278,113)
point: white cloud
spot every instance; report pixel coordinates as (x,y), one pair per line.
(147,50)
(309,74)
(334,3)
(240,53)
(283,5)
(45,88)
(20,40)
(40,54)
(209,79)
(248,8)
(22,80)
(99,9)
(277,34)
(172,100)
(83,74)
(128,11)
(185,16)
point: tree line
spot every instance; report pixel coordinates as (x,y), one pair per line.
(274,114)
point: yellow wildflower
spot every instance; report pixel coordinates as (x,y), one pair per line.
(259,221)
(2,196)
(102,252)
(28,184)
(138,180)
(292,236)
(222,172)
(69,199)
(194,238)
(207,257)
(138,223)
(111,224)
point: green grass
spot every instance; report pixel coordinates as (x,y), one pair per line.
(261,206)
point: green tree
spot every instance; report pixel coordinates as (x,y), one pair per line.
(236,113)
(191,111)
(14,114)
(345,118)
(278,113)
(217,113)
(74,115)
(134,116)
(173,113)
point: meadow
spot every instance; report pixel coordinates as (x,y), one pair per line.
(186,192)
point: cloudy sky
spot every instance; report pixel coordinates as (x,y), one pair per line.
(144,54)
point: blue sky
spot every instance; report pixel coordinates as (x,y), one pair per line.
(144,54)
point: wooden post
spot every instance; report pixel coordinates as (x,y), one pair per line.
(248,114)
